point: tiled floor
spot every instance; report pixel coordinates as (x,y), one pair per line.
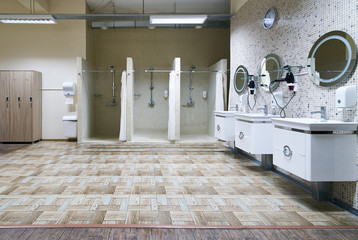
(181,184)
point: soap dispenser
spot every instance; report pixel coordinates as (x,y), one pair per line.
(346,97)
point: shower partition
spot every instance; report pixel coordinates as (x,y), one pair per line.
(85,92)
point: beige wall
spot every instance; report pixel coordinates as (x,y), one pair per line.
(156,48)
(50,49)
(236,5)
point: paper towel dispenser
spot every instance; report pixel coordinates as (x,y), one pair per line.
(68,88)
(346,97)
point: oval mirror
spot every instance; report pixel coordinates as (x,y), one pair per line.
(332,58)
(240,79)
(270,70)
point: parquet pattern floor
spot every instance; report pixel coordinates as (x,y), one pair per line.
(171,184)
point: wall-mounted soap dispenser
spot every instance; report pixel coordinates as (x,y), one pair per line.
(346,97)
(205,95)
(166,94)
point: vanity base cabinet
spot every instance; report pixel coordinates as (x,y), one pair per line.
(316,157)
(254,138)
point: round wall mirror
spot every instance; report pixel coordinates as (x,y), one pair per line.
(270,70)
(332,58)
(240,79)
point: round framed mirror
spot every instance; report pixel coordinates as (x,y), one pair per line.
(332,58)
(240,79)
(270,70)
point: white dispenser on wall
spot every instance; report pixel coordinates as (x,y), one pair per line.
(243,103)
(69,89)
(346,97)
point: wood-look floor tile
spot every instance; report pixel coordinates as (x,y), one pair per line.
(70,183)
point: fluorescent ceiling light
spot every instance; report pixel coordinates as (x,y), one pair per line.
(177,19)
(28,19)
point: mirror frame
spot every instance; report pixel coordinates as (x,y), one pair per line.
(246,73)
(352,57)
(277,59)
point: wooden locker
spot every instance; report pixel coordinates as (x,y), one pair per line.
(23,114)
(4,106)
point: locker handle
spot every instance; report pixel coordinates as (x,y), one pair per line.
(30,101)
(19,100)
(7,101)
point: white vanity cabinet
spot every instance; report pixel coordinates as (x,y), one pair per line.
(316,156)
(254,133)
(224,125)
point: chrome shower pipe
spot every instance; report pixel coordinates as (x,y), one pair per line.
(191,103)
(113,103)
(151,102)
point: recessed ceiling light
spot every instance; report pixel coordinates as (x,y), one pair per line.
(198,27)
(151,27)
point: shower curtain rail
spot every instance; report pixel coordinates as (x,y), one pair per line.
(183,71)
(98,71)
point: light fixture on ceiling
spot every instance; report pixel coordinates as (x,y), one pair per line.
(28,19)
(177,19)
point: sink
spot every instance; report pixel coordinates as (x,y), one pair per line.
(312,124)
(255,117)
(224,113)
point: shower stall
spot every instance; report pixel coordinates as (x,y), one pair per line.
(150,106)
(100,118)
(157,109)
(198,101)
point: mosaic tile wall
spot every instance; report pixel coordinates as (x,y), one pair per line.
(298,25)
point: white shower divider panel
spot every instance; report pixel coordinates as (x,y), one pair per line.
(172,112)
(123,128)
(130,99)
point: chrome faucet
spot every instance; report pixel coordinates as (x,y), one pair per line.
(265,108)
(237,107)
(322,112)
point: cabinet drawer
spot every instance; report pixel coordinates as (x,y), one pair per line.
(295,164)
(220,128)
(242,135)
(296,141)
(289,151)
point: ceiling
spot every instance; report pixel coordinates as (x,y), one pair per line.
(135,13)
(159,6)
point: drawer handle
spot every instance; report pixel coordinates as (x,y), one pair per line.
(218,127)
(287,151)
(7,101)
(241,135)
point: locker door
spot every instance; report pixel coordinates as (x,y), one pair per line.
(4,106)
(21,114)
